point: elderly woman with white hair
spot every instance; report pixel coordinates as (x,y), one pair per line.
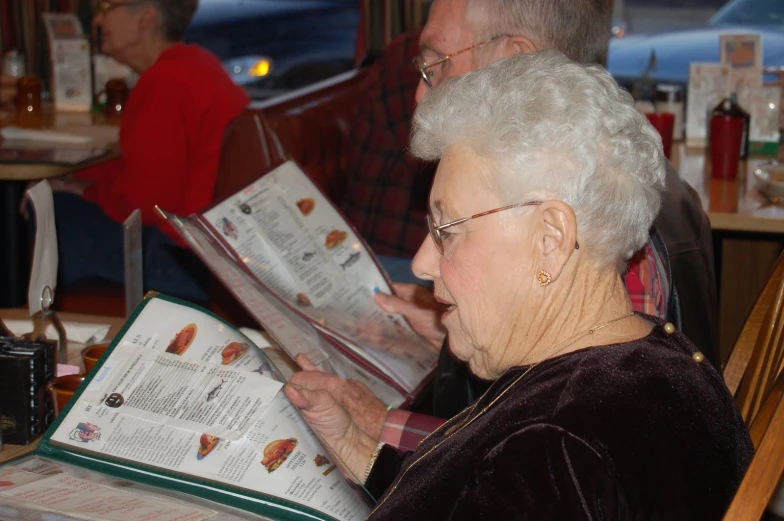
(548,181)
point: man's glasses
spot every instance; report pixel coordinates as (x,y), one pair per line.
(425,69)
(438,237)
(104,6)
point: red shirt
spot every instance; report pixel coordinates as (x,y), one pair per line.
(170,136)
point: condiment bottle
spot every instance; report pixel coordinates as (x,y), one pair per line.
(729,107)
(669,98)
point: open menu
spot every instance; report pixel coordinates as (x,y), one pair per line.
(181,402)
(302,271)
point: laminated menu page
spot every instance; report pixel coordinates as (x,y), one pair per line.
(185,403)
(298,267)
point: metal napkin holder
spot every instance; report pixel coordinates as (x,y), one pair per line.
(45,317)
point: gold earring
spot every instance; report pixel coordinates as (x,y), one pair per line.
(544,278)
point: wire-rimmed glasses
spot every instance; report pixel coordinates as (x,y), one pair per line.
(425,69)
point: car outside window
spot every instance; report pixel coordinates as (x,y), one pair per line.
(271,47)
(758,12)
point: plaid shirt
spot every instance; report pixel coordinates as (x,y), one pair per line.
(648,290)
(386,188)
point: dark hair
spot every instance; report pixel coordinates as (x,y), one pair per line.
(578,28)
(176,15)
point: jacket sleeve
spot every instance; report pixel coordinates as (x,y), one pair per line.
(686,231)
(153,167)
(385,470)
(541,473)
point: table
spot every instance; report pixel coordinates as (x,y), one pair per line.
(748,234)
(14,177)
(731,205)
(12,451)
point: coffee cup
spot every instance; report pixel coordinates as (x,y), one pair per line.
(62,388)
(91,354)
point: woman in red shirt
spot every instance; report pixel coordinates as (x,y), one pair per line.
(170,138)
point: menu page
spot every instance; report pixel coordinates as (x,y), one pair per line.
(66,494)
(32,489)
(709,83)
(290,237)
(291,331)
(183,392)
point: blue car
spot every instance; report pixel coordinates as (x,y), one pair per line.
(629,56)
(272,46)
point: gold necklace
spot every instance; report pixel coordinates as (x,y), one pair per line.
(463,424)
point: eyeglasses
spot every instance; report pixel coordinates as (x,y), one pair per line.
(424,68)
(438,237)
(104,6)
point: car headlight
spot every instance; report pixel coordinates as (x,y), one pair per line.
(247,69)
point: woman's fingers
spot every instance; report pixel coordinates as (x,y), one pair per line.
(296,396)
(420,309)
(305,364)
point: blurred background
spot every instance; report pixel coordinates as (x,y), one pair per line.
(273,46)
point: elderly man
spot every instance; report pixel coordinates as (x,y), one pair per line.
(464,35)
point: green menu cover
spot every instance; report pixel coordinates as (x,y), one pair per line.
(182,419)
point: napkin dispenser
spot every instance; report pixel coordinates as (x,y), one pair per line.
(26,367)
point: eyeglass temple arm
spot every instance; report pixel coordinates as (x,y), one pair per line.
(509,207)
(426,65)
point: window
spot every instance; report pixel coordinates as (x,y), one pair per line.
(680,32)
(274,46)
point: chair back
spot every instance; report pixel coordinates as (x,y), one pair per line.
(250,148)
(314,125)
(762,477)
(757,358)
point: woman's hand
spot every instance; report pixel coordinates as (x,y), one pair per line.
(350,447)
(364,409)
(417,304)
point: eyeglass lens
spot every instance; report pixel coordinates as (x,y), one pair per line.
(435,234)
(421,66)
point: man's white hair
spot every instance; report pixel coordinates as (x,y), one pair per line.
(556,129)
(578,28)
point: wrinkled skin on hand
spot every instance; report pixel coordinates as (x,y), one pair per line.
(349,445)
(362,406)
(417,304)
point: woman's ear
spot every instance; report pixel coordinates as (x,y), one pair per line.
(557,236)
(518,45)
(148,19)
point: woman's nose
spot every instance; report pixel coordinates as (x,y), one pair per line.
(427,260)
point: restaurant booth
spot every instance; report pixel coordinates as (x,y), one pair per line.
(313,126)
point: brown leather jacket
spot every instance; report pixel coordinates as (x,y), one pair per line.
(686,233)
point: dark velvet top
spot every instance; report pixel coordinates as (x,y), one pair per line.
(628,431)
